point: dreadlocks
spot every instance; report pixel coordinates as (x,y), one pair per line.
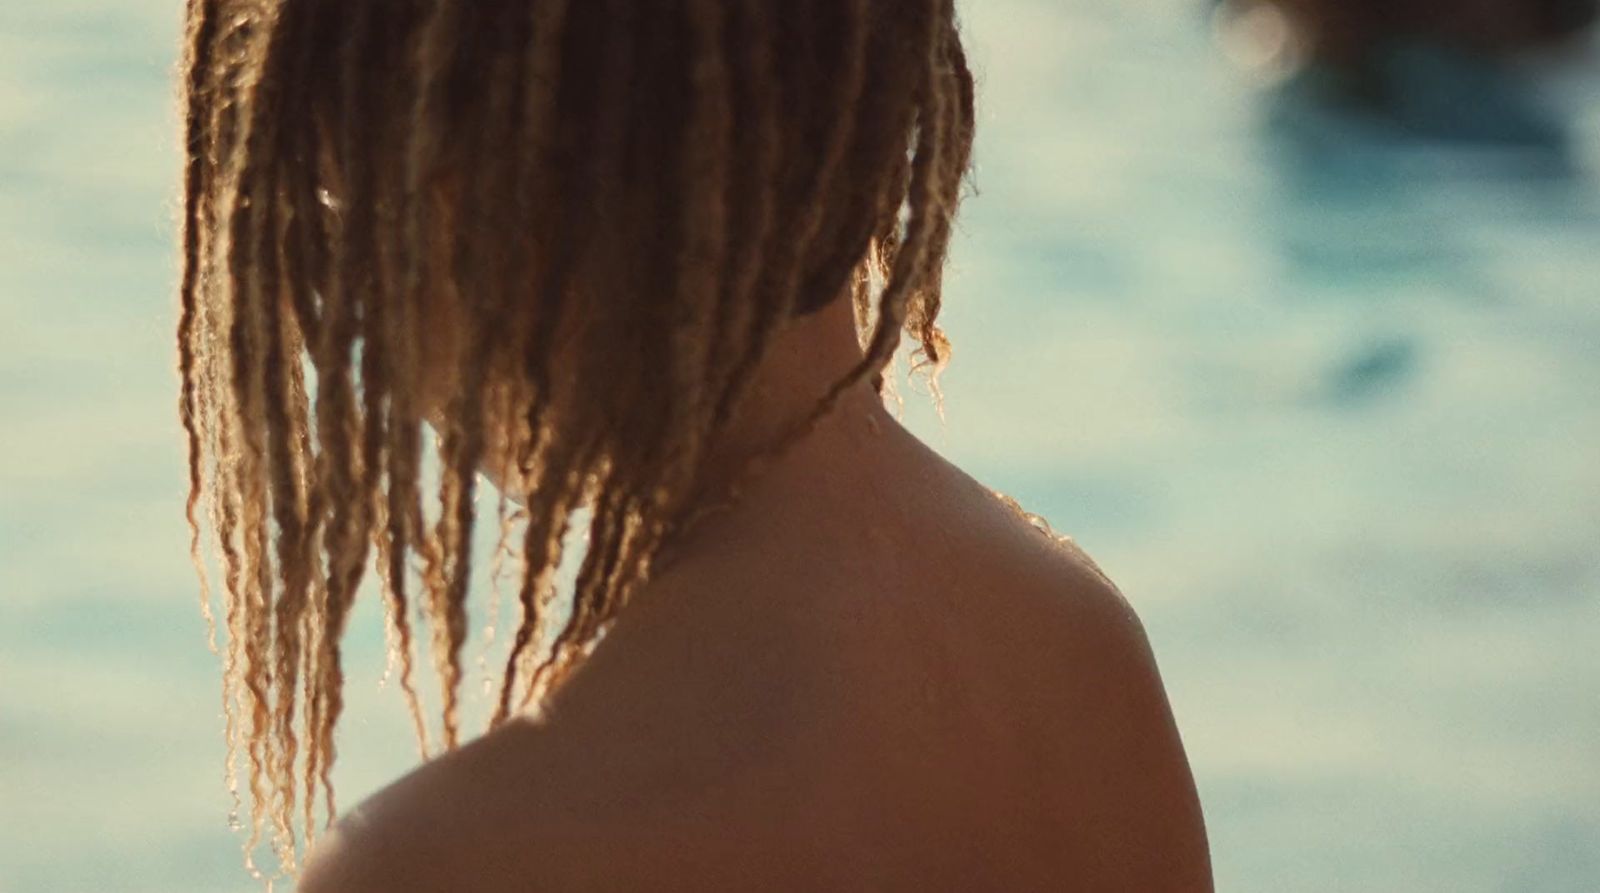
(621,201)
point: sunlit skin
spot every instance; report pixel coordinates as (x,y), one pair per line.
(866,674)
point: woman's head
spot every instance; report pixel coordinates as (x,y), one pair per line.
(563,230)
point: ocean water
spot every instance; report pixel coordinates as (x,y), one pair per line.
(1321,394)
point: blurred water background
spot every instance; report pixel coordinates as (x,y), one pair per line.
(1323,396)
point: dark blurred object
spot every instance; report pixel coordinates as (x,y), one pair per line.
(1435,70)
(1347,32)
(1433,91)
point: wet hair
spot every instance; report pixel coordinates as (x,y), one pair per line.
(621,201)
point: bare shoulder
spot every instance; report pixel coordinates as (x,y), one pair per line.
(400,840)
(1101,725)
(454,823)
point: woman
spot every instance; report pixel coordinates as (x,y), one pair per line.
(616,253)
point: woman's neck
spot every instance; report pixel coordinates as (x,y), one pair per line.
(803,362)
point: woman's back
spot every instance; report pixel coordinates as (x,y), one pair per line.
(896,683)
